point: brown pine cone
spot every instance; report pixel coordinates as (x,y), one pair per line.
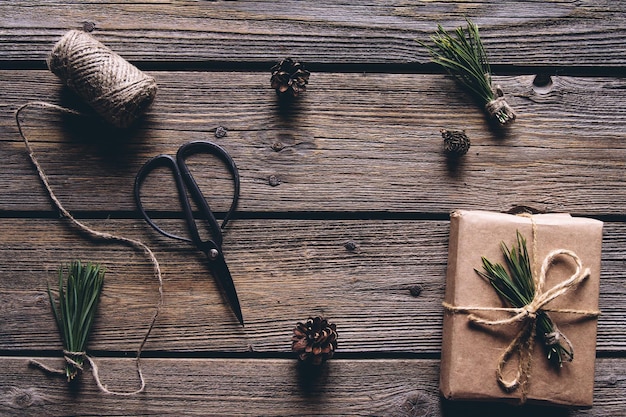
(289,77)
(314,341)
(455,142)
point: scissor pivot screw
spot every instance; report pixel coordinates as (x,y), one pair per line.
(213,254)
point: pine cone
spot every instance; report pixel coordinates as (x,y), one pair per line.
(455,142)
(289,77)
(314,341)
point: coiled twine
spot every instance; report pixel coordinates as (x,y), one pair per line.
(117,90)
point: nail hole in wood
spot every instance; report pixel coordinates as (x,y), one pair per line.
(416,290)
(350,246)
(273,181)
(542,83)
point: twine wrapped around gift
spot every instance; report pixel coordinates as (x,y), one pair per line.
(523,343)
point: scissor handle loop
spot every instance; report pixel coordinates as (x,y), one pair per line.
(203,146)
(147,168)
(183,177)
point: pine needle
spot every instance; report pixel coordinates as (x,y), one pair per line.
(75,309)
(463,56)
(518,290)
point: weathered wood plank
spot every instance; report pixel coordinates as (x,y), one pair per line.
(555,33)
(367,142)
(240,387)
(284,270)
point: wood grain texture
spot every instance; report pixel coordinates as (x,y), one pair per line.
(553,33)
(344,200)
(284,270)
(266,387)
(354,142)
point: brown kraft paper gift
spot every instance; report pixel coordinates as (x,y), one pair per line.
(471,352)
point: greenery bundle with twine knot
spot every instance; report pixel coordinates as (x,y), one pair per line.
(462,54)
(518,289)
(74,310)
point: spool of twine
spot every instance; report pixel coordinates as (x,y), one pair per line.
(117,90)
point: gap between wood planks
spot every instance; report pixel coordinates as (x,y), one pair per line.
(274,215)
(218,354)
(375,68)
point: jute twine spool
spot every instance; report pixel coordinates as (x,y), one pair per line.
(115,88)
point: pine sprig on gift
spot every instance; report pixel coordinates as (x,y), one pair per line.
(463,56)
(75,310)
(518,289)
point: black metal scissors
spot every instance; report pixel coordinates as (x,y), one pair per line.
(187,187)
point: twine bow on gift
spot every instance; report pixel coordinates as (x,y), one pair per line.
(523,343)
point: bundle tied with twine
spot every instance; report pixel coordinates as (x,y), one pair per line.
(464,58)
(119,92)
(527,316)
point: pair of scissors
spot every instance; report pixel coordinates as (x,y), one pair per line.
(188,188)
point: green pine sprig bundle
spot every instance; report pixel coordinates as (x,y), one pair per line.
(463,56)
(518,289)
(80,286)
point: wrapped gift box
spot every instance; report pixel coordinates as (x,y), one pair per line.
(471,352)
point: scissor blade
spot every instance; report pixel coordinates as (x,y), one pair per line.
(222,275)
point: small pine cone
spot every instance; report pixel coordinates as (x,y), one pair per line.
(289,77)
(455,142)
(314,341)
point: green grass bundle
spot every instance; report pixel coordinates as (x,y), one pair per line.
(80,286)
(463,56)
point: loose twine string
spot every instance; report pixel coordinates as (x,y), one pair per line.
(523,343)
(70,357)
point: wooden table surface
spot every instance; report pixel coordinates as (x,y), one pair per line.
(345,196)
